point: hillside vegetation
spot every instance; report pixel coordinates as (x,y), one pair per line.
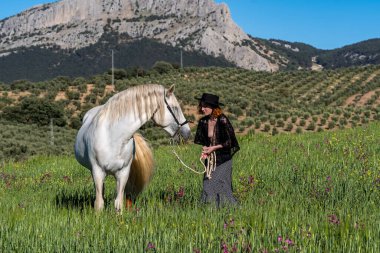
(44,63)
(358,54)
(295,101)
(316,192)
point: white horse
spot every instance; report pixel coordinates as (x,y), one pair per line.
(107,143)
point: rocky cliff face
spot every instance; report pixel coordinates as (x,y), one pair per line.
(200,25)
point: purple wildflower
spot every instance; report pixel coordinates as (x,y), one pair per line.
(334,219)
(251,180)
(150,246)
(181,192)
(224,247)
(289,242)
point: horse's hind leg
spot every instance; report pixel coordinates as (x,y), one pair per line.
(98,175)
(121,178)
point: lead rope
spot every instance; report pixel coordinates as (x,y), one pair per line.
(211,160)
(211,164)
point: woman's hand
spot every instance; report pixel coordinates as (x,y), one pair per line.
(203,156)
(209,150)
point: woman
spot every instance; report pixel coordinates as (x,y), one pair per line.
(216,134)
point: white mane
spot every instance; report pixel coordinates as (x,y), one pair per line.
(137,101)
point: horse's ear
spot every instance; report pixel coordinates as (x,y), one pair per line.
(171,90)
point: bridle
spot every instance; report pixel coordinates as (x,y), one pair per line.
(175,118)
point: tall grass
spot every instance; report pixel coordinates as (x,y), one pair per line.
(316,192)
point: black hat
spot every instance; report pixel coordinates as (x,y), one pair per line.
(210,99)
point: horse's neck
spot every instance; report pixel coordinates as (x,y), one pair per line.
(129,122)
(128,125)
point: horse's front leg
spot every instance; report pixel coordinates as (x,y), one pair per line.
(121,179)
(98,176)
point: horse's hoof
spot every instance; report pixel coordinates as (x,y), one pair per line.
(128,204)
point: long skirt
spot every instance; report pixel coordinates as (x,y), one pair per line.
(218,189)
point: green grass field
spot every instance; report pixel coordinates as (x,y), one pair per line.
(315,192)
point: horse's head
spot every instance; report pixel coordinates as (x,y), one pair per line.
(172,119)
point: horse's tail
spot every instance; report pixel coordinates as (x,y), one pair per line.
(142,166)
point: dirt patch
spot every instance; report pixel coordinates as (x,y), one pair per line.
(17,95)
(90,87)
(363,99)
(60,96)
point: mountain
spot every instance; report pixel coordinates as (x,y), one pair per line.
(298,55)
(38,63)
(358,54)
(75,38)
(67,26)
(303,56)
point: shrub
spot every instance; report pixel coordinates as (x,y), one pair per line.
(280,123)
(266,128)
(264,118)
(162,67)
(298,130)
(355,118)
(75,122)
(311,126)
(73,95)
(278,115)
(91,98)
(347,115)
(35,110)
(331,125)
(342,121)
(235,110)
(257,124)
(289,127)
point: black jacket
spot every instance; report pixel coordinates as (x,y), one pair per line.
(224,134)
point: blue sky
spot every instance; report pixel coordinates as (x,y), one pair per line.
(325,24)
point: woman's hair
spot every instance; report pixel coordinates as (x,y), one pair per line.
(216,112)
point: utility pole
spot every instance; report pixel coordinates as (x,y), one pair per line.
(180,47)
(51,132)
(113,77)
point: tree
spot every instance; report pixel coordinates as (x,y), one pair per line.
(35,110)
(162,67)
